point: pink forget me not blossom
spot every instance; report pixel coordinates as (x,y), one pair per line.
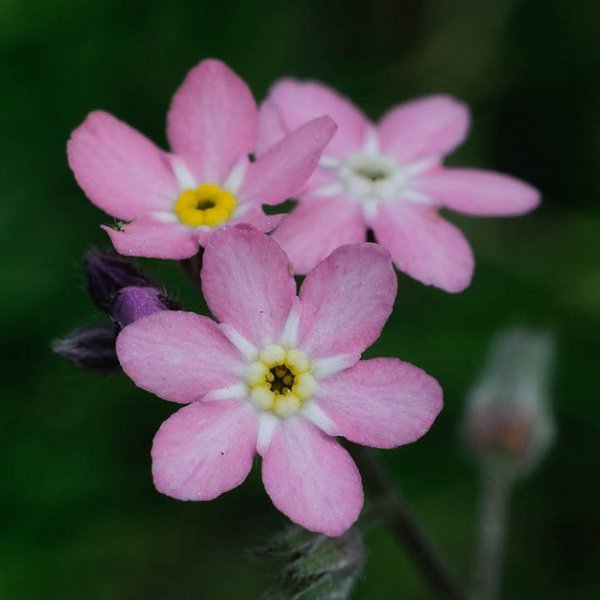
(388,177)
(280,374)
(173,202)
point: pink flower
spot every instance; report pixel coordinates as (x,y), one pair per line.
(389,178)
(279,375)
(174,202)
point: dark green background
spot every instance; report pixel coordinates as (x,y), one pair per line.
(79,516)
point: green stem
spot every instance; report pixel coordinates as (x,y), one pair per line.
(495,495)
(405,528)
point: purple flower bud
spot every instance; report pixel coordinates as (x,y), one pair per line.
(508,415)
(90,347)
(133,303)
(107,274)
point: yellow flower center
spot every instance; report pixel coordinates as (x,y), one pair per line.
(207,205)
(280,381)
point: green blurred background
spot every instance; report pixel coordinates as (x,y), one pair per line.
(79,514)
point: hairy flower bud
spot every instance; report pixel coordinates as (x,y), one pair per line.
(508,415)
(107,274)
(133,303)
(90,347)
(118,287)
(315,566)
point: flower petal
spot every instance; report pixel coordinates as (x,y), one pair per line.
(271,129)
(247,282)
(121,171)
(382,402)
(283,169)
(204,449)
(300,101)
(311,478)
(317,227)
(478,192)
(151,238)
(346,300)
(425,246)
(212,121)
(427,127)
(258,219)
(179,356)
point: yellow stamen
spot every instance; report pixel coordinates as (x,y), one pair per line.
(207,205)
(262,397)
(296,361)
(272,355)
(304,386)
(286,405)
(280,380)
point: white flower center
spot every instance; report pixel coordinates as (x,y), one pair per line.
(372,176)
(280,381)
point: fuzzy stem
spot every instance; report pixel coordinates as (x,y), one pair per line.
(406,529)
(495,494)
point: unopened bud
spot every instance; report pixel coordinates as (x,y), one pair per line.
(133,303)
(119,288)
(107,274)
(508,415)
(315,566)
(91,347)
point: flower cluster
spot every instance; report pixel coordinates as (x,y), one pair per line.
(279,371)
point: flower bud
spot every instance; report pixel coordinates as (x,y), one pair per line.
(90,347)
(133,303)
(120,289)
(316,566)
(107,274)
(508,416)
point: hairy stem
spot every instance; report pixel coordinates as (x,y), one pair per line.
(406,529)
(495,493)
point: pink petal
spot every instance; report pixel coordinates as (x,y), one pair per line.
(477,192)
(178,356)
(213,121)
(247,282)
(312,479)
(300,101)
(317,227)
(346,300)
(428,127)
(382,402)
(271,129)
(204,449)
(151,238)
(254,216)
(258,219)
(425,246)
(283,169)
(121,171)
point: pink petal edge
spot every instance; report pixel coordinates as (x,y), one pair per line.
(346,300)
(383,402)
(213,121)
(120,170)
(478,192)
(247,282)
(425,246)
(315,228)
(312,479)
(150,238)
(427,127)
(300,101)
(204,449)
(178,356)
(284,168)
